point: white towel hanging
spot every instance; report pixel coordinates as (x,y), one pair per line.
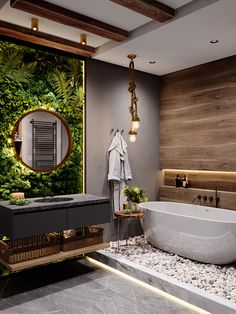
(119,170)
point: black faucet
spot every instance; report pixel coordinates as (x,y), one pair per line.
(216,197)
(197,197)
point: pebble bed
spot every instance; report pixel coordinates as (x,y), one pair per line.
(218,280)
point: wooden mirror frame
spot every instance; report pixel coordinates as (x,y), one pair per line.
(57,115)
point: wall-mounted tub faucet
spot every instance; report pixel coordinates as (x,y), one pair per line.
(197,197)
(204,197)
(216,197)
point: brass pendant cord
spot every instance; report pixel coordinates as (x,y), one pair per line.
(131,89)
(133,106)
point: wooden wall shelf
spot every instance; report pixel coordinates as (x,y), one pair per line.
(53,258)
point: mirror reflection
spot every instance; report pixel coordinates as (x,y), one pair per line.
(42,140)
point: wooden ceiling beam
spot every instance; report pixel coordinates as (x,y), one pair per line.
(2,2)
(154,9)
(67,17)
(40,38)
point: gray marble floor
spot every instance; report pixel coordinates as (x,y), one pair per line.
(75,287)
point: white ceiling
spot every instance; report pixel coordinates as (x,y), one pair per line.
(177,44)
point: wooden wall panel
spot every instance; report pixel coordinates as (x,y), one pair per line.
(227,200)
(198,117)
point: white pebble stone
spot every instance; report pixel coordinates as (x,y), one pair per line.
(219,280)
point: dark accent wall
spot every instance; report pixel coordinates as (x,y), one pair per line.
(198,117)
(107,107)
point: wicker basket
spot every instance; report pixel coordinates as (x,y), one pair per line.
(16,251)
(90,236)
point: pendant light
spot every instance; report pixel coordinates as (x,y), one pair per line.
(133,109)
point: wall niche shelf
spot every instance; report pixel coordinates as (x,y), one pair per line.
(53,258)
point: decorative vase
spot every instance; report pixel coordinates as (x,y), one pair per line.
(134,206)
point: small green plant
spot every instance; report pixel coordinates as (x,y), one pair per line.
(135,195)
(127,211)
(20,202)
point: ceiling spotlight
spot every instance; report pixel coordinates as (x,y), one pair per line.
(34,24)
(152,62)
(83,39)
(214,41)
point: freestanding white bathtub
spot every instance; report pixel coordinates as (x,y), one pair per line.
(204,234)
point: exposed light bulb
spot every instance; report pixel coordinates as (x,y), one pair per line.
(135,122)
(132,136)
(135,125)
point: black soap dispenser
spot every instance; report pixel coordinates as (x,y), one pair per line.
(177,181)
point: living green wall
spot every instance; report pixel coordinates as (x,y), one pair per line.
(31,78)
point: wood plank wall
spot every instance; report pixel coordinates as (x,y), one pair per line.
(198,117)
(227,200)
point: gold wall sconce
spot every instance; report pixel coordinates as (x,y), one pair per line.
(133,109)
(83,39)
(34,24)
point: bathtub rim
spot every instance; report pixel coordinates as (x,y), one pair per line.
(141,205)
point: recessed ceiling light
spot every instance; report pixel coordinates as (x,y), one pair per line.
(214,41)
(34,24)
(152,62)
(83,39)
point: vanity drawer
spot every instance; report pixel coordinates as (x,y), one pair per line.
(87,215)
(39,222)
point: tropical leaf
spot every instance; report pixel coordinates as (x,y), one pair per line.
(74,72)
(60,85)
(19,75)
(13,67)
(78,98)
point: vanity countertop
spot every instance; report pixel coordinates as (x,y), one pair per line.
(36,205)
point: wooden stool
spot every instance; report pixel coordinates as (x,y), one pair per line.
(121,215)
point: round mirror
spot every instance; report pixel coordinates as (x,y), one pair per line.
(42,140)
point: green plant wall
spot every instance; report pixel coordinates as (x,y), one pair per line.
(31,78)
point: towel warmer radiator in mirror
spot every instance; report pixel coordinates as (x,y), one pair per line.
(44,144)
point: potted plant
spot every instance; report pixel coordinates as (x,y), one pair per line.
(134,196)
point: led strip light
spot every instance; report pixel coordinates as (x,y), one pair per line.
(151,288)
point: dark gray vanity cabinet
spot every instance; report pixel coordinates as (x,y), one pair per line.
(38,222)
(86,215)
(39,218)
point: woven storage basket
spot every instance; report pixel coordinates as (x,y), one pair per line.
(92,235)
(16,251)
